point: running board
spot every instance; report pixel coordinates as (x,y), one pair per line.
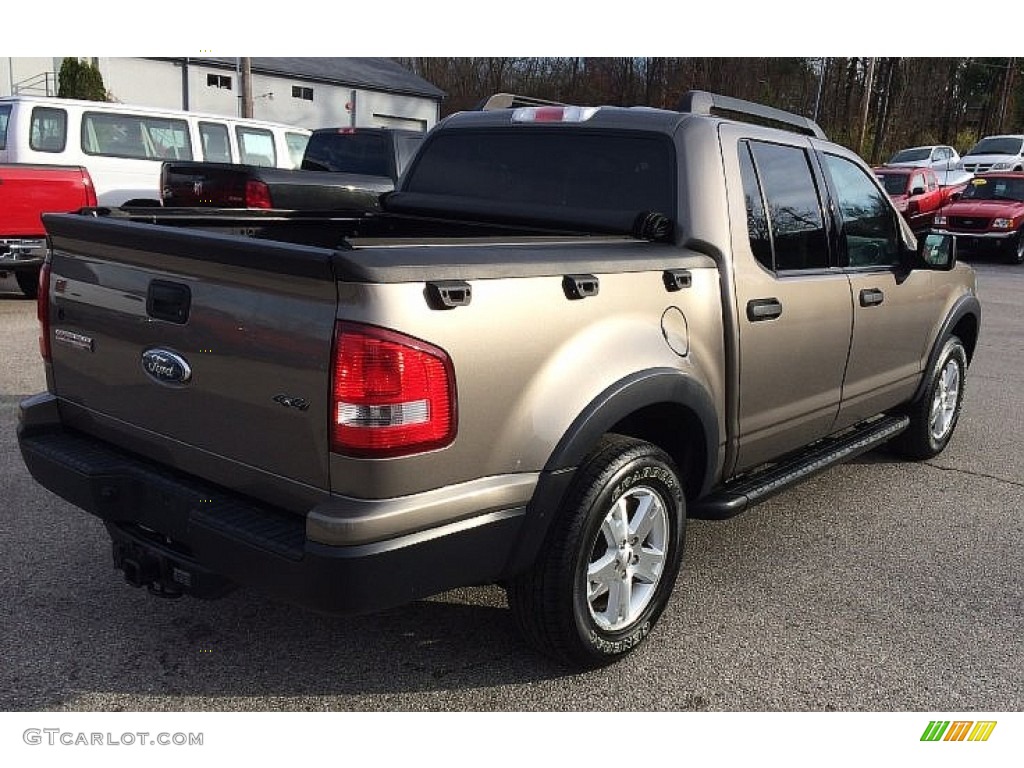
(735,497)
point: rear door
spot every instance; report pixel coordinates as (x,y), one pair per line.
(794,306)
(207,352)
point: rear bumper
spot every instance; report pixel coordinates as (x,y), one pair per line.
(22,253)
(194,537)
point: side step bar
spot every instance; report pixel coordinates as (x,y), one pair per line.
(735,497)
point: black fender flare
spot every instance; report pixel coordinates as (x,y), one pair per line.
(965,306)
(646,388)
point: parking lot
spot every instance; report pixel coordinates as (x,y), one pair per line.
(875,586)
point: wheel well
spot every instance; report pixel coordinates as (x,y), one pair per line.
(966,330)
(676,430)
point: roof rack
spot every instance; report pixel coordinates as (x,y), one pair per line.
(704,103)
(512,100)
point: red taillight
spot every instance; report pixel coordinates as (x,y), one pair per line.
(392,395)
(43,310)
(257,194)
(90,189)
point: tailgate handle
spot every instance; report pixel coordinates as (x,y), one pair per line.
(448,294)
(168,301)
(676,279)
(580,286)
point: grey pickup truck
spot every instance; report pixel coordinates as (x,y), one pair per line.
(342,168)
(569,329)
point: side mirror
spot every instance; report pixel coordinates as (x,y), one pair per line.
(955,196)
(916,191)
(936,251)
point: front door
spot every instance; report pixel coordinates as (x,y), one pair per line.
(894,308)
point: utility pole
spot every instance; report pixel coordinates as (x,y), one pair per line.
(821,83)
(1007,90)
(184,85)
(868,84)
(245,75)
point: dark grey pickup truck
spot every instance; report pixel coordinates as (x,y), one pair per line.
(569,329)
(342,168)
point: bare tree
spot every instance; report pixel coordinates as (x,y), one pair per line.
(910,101)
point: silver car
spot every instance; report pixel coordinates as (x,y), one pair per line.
(943,159)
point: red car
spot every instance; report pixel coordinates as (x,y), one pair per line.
(988,215)
(916,192)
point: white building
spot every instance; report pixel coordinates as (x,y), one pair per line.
(307,92)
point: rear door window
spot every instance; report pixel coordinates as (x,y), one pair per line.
(256,146)
(792,209)
(757,217)
(48,131)
(216,146)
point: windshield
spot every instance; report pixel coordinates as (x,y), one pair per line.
(911,155)
(997,145)
(894,183)
(5,116)
(995,188)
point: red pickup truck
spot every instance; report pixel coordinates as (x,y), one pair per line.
(916,192)
(988,216)
(26,192)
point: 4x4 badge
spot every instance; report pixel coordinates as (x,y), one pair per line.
(166,367)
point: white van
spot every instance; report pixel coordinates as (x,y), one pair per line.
(123,146)
(996,153)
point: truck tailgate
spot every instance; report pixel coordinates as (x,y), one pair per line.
(25,190)
(207,352)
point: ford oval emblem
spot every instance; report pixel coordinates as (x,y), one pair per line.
(166,367)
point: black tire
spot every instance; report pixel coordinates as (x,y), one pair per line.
(552,604)
(28,281)
(934,417)
(1015,249)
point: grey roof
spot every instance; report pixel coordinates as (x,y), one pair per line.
(380,74)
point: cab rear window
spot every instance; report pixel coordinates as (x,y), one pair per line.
(357,152)
(568,169)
